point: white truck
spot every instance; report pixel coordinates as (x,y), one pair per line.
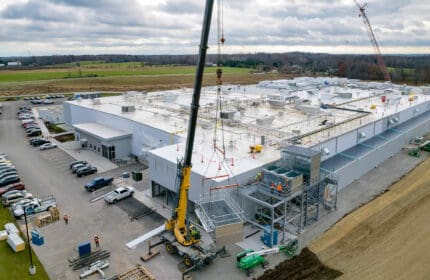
(36,206)
(118,194)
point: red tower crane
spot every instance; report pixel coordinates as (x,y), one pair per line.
(373,40)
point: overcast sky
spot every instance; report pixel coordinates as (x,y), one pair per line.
(45,27)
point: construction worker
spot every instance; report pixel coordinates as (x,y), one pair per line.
(66,218)
(272,187)
(97,240)
(279,188)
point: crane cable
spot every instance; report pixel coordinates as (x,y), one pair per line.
(220,42)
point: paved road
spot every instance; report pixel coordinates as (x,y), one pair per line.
(46,172)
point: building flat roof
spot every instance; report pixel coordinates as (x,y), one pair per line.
(254,116)
(100,131)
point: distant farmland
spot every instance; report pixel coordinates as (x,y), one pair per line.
(100,76)
(103,70)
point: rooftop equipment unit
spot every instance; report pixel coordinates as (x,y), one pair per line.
(128,108)
(227,115)
(266,120)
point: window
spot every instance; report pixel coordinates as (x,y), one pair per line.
(98,149)
(91,145)
(111,154)
(94,147)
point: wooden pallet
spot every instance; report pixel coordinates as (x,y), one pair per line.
(138,273)
(55,213)
(43,219)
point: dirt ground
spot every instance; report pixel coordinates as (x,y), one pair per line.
(388,238)
(304,266)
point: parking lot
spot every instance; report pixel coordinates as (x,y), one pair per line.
(47,172)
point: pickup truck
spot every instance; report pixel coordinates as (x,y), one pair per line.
(98,183)
(35,207)
(118,194)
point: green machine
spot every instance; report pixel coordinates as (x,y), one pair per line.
(249,259)
(414,152)
(425,146)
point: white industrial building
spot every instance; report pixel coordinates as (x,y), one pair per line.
(52,114)
(341,128)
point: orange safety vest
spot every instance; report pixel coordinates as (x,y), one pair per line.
(279,188)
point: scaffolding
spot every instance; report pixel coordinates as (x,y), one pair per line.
(292,213)
(294,208)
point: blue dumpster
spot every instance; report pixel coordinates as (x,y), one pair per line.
(37,238)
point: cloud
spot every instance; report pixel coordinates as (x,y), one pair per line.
(174,26)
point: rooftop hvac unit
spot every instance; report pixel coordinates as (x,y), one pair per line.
(227,115)
(96,101)
(128,109)
(267,120)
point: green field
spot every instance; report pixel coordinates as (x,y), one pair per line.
(15,265)
(407,71)
(99,69)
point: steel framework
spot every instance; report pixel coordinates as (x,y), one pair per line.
(362,9)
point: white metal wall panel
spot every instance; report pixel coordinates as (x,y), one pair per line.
(379,127)
(358,168)
(368,132)
(346,141)
(330,145)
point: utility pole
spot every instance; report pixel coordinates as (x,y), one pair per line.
(32,269)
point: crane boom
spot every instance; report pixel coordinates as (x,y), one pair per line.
(362,9)
(184,235)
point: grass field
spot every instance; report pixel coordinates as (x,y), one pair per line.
(123,83)
(15,265)
(103,70)
(407,71)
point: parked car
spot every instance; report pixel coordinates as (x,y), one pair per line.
(22,203)
(9,180)
(25,116)
(78,166)
(34,133)
(6,168)
(31,128)
(12,187)
(14,196)
(86,171)
(47,146)
(73,163)
(35,207)
(8,173)
(98,183)
(34,139)
(118,194)
(48,101)
(39,142)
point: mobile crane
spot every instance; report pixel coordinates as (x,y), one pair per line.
(182,239)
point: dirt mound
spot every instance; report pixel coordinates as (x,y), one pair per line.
(304,266)
(386,238)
